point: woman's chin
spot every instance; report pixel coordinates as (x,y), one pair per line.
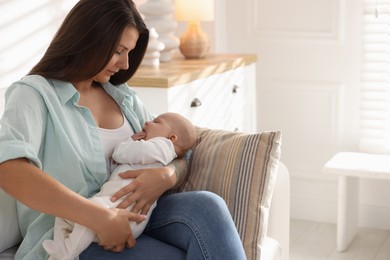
(104,80)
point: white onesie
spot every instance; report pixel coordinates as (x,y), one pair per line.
(70,239)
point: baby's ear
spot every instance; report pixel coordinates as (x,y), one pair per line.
(173,138)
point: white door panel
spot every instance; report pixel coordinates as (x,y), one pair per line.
(308,73)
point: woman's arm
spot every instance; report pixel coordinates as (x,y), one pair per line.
(149,184)
(180,167)
(39,191)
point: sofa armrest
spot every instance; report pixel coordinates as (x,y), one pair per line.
(279,215)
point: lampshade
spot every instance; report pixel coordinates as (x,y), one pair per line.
(194,10)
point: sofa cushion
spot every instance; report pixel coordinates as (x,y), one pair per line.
(242,169)
(8,222)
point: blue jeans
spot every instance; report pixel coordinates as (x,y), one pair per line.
(189,225)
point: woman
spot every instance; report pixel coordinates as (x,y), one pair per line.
(57,135)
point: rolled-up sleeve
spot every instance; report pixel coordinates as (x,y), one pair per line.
(22,125)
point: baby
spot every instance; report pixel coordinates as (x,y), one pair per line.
(167,137)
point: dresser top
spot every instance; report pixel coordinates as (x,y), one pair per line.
(180,70)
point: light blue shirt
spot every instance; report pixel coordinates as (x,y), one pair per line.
(43,122)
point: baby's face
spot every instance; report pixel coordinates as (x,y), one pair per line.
(159,127)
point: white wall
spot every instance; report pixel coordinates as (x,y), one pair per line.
(308,87)
(26,28)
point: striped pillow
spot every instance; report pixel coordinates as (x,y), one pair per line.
(241,168)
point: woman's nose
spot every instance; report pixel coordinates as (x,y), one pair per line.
(124,62)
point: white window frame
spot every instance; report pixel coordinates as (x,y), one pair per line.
(375,77)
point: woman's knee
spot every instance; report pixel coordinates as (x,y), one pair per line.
(190,204)
(203,198)
(208,203)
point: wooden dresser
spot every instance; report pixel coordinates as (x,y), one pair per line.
(216,92)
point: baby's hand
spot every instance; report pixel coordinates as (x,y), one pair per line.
(138,136)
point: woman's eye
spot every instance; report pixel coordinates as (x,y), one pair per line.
(119,52)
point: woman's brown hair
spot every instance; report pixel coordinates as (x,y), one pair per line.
(87,39)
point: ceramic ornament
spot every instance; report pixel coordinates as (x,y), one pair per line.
(159,14)
(153,52)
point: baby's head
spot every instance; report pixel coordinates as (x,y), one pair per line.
(175,127)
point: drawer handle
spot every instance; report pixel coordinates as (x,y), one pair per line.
(236,89)
(196,102)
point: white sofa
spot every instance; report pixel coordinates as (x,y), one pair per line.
(279,218)
(275,246)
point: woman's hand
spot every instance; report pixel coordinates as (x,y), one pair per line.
(148,185)
(114,231)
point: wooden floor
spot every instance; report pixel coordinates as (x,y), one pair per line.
(315,241)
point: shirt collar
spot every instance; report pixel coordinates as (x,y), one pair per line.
(115,92)
(65,90)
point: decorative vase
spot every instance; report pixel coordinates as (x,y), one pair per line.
(159,14)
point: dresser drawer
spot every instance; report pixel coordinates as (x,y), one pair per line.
(205,106)
(224,99)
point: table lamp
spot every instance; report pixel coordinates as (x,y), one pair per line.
(194,43)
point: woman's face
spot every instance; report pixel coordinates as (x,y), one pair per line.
(119,60)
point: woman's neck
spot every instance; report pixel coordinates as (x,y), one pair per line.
(84,86)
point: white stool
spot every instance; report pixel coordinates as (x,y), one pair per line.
(349,167)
